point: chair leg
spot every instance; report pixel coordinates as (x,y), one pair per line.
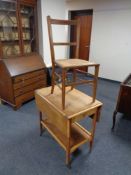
(52,88)
(63,88)
(74,78)
(52,82)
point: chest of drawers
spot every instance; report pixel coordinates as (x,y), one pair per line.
(19,77)
(124,100)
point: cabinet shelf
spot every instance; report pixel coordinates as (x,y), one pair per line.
(14,27)
(6,10)
(10,41)
(25,14)
(27,40)
(29,28)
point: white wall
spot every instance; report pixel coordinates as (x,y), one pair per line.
(56,9)
(111,35)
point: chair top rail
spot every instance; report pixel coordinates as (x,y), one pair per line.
(65,43)
(62,22)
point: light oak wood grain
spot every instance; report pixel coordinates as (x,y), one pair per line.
(63,124)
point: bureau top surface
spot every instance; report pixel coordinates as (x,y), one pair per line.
(76,102)
(127,81)
(25,64)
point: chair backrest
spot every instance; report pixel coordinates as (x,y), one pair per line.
(75,23)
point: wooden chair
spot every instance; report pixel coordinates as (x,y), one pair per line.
(69,64)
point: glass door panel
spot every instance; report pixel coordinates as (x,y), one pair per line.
(9,37)
(28,28)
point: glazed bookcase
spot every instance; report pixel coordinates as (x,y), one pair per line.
(18,28)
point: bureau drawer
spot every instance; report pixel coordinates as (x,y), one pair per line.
(28,88)
(124,103)
(29,75)
(23,98)
(26,82)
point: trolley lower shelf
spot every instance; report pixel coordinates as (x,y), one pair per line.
(79,135)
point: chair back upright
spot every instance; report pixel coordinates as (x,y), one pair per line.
(75,23)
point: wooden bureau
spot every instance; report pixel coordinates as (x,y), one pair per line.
(124,100)
(19,77)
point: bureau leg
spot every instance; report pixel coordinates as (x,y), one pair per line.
(17,106)
(114,119)
(3,102)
